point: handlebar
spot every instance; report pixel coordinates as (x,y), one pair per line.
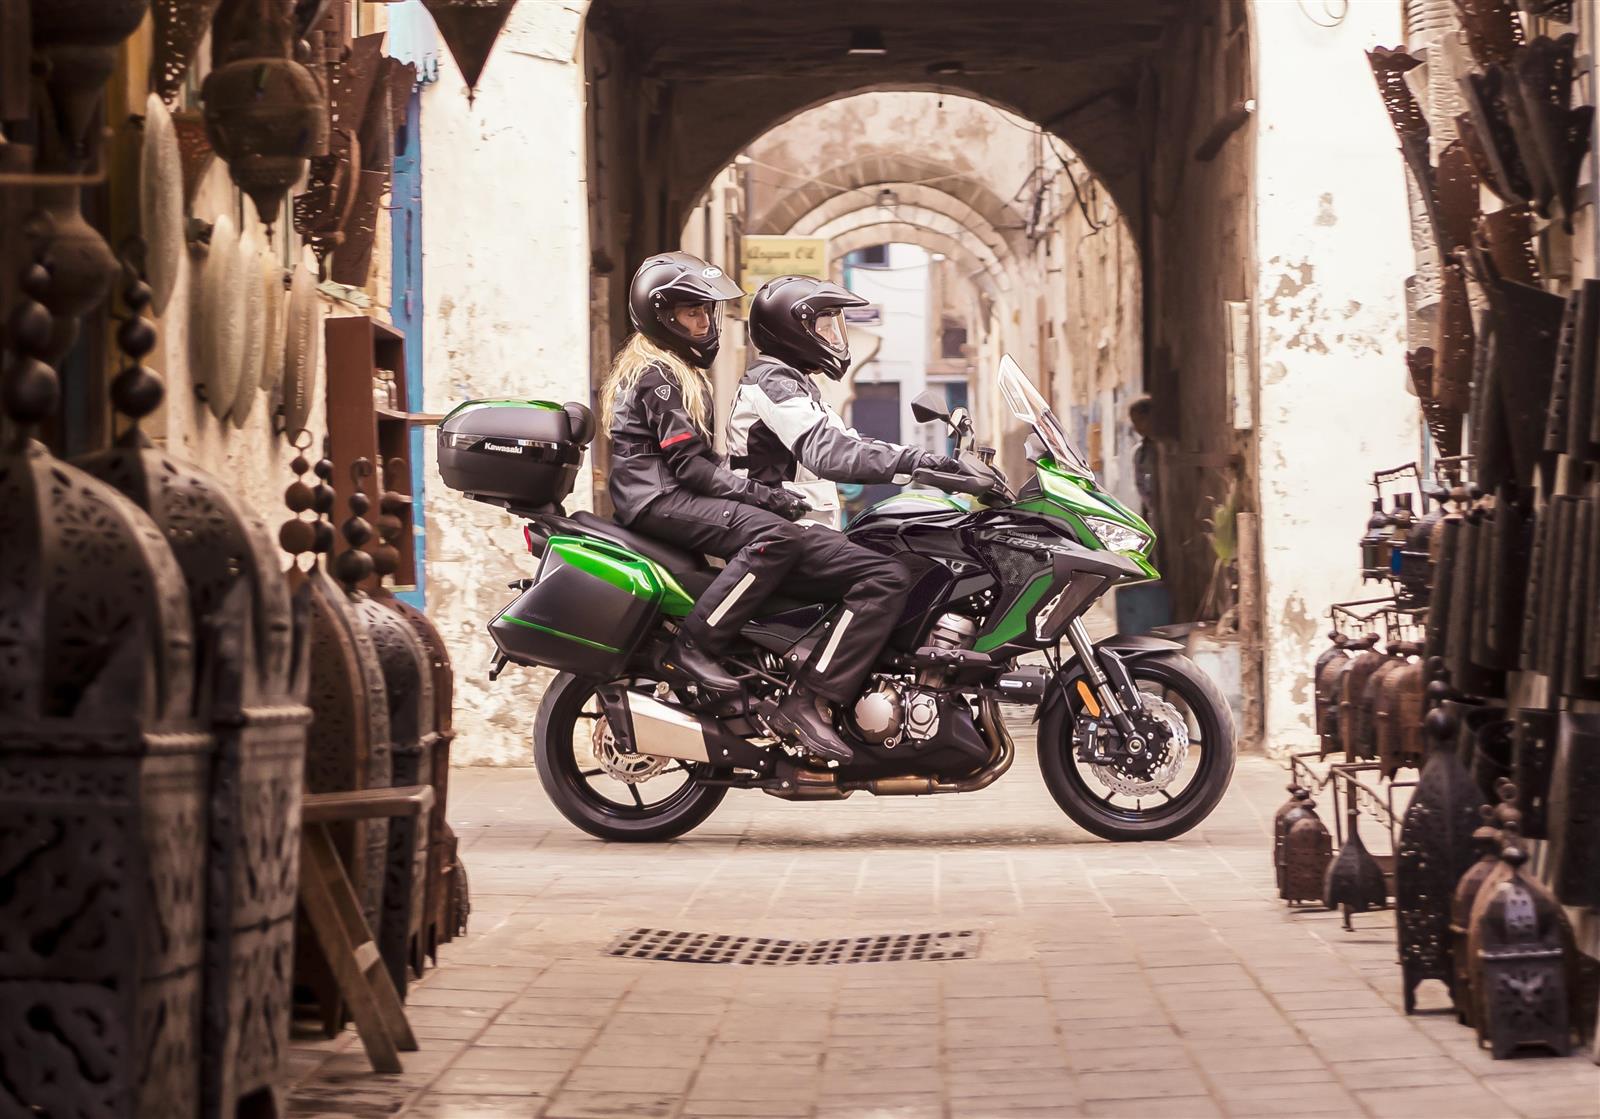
(956,483)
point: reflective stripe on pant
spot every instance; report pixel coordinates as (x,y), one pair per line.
(874,588)
(761,549)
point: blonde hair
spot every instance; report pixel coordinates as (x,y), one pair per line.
(636,357)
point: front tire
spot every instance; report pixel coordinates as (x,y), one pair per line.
(1073,784)
(577,783)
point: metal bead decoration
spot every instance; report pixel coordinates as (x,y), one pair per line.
(31,390)
(1434,851)
(353,565)
(297,536)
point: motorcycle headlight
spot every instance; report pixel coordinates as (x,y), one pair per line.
(1117,537)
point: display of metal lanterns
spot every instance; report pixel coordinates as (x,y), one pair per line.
(1399,700)
(1282,820)
(1331,666)
(1518,963)
(264,112)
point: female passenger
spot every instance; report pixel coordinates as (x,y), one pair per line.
(668,482)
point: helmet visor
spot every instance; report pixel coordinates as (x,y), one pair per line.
(828,328)
(694,322)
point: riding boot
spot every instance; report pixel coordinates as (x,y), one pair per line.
(803,716)
(687,658)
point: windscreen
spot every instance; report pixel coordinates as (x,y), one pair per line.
(1030,406)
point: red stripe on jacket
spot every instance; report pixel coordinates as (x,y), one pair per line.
(678,438)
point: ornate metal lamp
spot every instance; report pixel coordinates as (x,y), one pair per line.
(1355,880)
(1519,964)
(469,29)
(264,112)
(1308,849)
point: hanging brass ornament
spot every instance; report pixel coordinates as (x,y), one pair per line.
(179,27)
(1354,880)
(75,47)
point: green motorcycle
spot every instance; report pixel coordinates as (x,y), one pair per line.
(1135,742)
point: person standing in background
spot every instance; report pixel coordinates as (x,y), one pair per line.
(1146,458)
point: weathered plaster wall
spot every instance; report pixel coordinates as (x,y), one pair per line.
(1334,246)
(506,285)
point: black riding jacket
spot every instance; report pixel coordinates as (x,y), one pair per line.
(656,447)
(780,423)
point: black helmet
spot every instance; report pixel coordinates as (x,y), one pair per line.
(791,318)
(668,281)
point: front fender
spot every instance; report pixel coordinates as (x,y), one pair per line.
(1129,646)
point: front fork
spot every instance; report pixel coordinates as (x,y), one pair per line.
(1111,682)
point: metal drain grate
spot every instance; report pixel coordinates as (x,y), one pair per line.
(720,948)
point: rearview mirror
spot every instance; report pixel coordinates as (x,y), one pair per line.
(929,406)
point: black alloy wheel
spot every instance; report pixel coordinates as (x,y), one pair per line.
(631,798)
(1111,803)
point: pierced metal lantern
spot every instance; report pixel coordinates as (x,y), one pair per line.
(103,780)
(1373,709)
(408,685)
(1574,811)
(1519,963)
(1533,754)
(1486,842)
(1308,849)
(264,112)
(1282,820)
(1434,850)
(179,27)
(1375,544)
(1354,880)
(252,701)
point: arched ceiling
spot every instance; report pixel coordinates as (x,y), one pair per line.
(722,72)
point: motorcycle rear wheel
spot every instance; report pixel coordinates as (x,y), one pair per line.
(663,806)
(1210,722)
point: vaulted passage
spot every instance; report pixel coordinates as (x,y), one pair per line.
(1143,101)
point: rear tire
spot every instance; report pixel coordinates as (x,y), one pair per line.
(561,716)
(1214,721)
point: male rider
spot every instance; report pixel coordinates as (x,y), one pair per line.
(781,425)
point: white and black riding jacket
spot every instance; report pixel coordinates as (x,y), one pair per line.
(781,430)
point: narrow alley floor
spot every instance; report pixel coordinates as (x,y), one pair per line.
(1112,980)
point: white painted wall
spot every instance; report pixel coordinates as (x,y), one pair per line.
(1334,248)
(506,281)
(901,293)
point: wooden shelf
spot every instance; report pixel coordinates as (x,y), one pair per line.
(358,427)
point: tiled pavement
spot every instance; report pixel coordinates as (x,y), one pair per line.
(1115,980)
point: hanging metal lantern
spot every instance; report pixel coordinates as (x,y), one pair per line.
(75,45)
(1434,850)
(1486,98)
(1458,343)
(1448,535)
(264,112)
(1354,880)
(1519,965)
(469,28)
(1352,690)
(1373,709)
(1533,753)
(1574,811)
(79,261)
(1308,849)
(1388,716)
(1326,712)
(1375,544)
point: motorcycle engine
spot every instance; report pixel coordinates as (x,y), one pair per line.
(879,714)
(889,712)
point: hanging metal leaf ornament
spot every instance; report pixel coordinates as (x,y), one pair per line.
(469,28)
(219,335)
(161,203)
(253,312)
(179,27)
(302,349)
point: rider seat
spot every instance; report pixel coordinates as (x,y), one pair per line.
(691,571)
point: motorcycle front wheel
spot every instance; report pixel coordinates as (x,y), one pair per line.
(1123,806)
(627,797)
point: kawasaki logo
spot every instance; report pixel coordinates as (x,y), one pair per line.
(501,447)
